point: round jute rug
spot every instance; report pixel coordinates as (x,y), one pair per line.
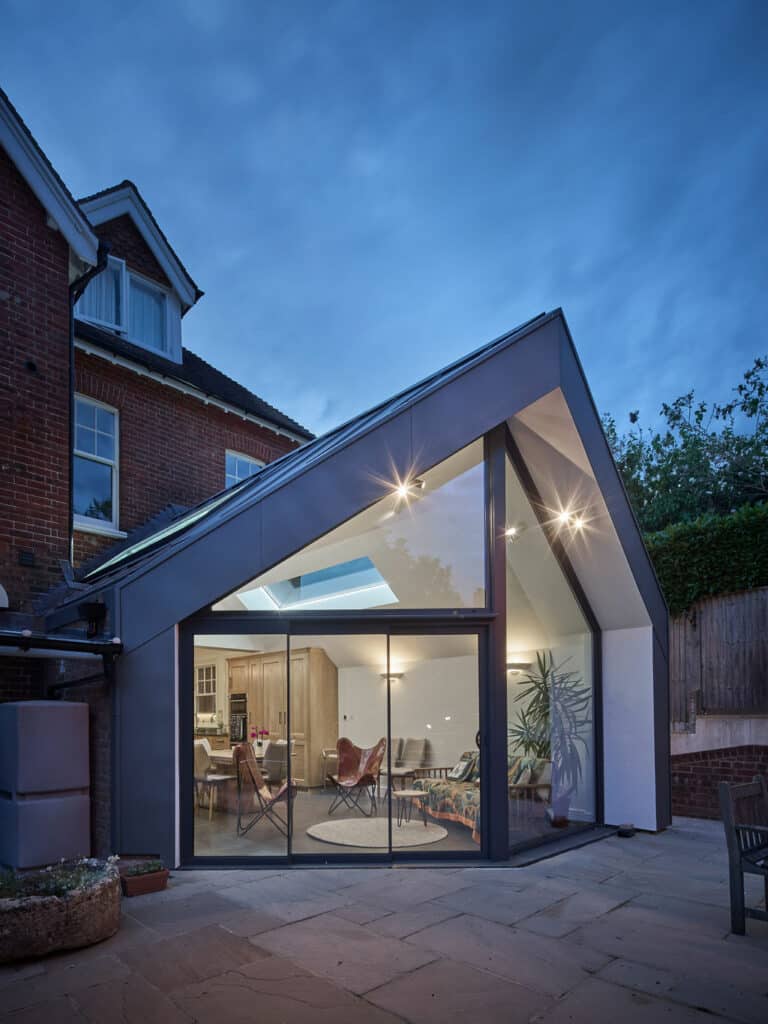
(373,833)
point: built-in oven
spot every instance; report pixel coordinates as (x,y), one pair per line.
(238,718)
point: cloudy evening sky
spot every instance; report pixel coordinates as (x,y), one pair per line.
(367,190)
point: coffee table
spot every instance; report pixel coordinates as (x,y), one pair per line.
(404,804)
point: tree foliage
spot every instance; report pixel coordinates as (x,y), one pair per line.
(711,555)
(705,459)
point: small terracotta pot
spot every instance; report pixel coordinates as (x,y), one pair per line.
(140,885)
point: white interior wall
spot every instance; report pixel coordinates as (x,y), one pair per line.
(570,654)
(629,755)
(441,693)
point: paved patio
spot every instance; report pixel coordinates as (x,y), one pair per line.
(623,929)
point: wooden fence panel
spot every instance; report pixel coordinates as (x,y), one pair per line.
(719,656)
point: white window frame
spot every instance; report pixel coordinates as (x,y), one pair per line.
(239,455)
(86,523)
(163,292)
(198,668)
(120,328)
(171,342)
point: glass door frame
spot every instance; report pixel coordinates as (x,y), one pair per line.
(306,624)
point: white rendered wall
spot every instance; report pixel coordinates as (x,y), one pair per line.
(628,727)
(428,693)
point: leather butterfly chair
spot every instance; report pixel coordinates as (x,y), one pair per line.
(255,800)
(357,775)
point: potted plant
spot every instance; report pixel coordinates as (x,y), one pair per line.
(551,726)
(64,906)
(143,876)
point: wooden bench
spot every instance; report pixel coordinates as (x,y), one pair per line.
(744,809)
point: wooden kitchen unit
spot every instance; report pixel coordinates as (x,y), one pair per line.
(314,704)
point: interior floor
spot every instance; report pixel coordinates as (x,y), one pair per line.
(218,838)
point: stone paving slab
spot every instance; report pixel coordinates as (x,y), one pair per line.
(628,930)
(507,906)
(276,990)
(536,962)
(352,956)
(447,991)
(205,953)
(598,1002)
(54,1011)
(703,993)
(129,999)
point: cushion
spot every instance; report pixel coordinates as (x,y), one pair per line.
(463,767)
(413,753)
(513,769)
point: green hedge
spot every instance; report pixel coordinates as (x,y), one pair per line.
(711,555)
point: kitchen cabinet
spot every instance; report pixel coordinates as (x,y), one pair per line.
(314,710)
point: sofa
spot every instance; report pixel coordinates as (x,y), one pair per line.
(453,794)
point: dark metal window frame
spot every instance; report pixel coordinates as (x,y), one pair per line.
(488,623)
(294,628)
(558,549)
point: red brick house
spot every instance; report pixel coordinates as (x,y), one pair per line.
(108,424)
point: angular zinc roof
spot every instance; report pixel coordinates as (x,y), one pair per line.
(275,474)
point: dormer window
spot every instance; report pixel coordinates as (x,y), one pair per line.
(134,307)
(103,301)
(146,313)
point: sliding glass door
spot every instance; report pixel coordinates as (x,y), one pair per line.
(435,772)
(241,746)
(339,722)
(332,745)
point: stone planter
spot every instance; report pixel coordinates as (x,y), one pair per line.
(140,885)
(33,926)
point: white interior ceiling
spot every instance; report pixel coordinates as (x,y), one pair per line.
(552,450)
(350,651)
(429,549)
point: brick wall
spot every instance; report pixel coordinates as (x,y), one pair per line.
(97,694)
(695,777)
(127,244)
(34,402)
(21,679)
(172,446)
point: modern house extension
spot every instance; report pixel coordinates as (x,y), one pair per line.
(433,632)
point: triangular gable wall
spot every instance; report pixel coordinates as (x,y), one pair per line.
(198,569)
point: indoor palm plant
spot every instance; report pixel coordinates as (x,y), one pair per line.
(552,725)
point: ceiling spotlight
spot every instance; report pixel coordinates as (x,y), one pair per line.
(429,726)
(409,488)
(564,517)
(511,532)
(578,523)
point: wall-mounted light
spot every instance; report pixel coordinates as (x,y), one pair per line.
(517,667)
(511,532)
(391,675)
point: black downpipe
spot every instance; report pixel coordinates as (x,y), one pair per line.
(76,289)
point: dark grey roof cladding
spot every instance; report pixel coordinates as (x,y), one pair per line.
(277,473)
(126,183)
(193,371)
